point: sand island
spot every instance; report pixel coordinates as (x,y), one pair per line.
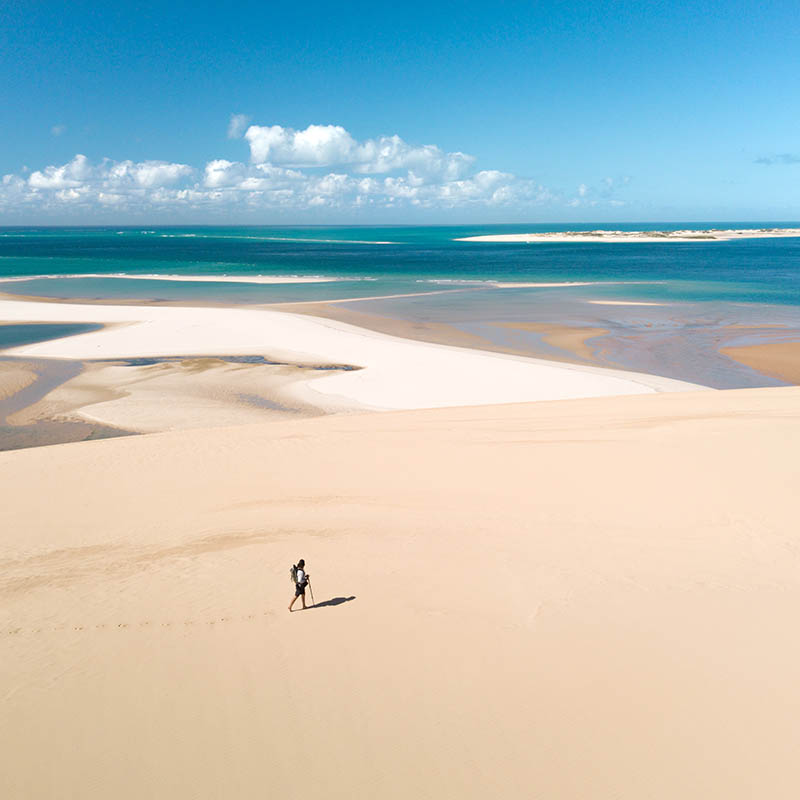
(708,235)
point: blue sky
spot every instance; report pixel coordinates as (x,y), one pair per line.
(436,112)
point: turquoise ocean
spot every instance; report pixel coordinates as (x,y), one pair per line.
(387,260)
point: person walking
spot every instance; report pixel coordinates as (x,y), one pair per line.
(300,578)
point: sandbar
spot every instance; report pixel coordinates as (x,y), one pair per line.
(266,279)
(393,373)
(623,303)
(776,359)
(569,338)
(707,235)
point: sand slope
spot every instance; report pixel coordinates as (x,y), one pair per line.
(584,599)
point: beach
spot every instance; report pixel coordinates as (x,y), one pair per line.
(537,571)
(578,597)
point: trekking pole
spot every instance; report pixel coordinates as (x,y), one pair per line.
(312,592)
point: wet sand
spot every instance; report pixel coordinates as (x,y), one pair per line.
(566,342)
(14,376)
(777,359)
(416,330)
(678,340)
(25,418)
(571,339)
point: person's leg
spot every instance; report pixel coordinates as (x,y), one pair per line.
(303,598)
(294,600)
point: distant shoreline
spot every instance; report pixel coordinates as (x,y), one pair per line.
(708,235)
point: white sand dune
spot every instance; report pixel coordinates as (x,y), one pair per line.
(584,599)
(395,373)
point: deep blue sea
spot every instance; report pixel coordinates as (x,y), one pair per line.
(375,261)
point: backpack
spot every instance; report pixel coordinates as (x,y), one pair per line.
(293,573)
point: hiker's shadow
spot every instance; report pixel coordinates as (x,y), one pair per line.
(334,601)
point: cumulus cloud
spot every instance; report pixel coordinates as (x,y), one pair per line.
(72,174)
(223,173)
(320,167)
(122,184)
(333,146)
(145,174)
(80,174)
(237,125)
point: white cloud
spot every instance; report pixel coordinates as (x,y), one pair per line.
(237,125)
(317,145)
(223,173)
(322,166)
(145,174)
(74,173)
(110,199)
(80,174)
(57,130)
(70,195)
(332,145)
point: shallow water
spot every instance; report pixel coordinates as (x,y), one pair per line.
(16,335)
